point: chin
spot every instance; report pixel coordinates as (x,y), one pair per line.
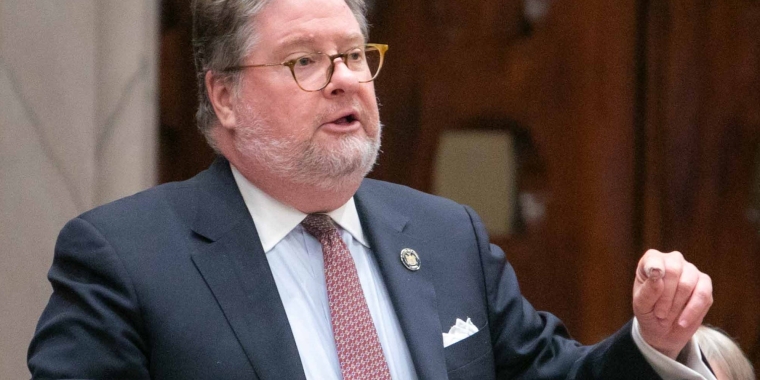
(334,167)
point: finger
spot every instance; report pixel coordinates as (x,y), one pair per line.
(648,275)
(673,267)
(699,303)
(653,270)
(684,289)
(652,266)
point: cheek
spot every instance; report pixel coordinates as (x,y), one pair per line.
(295,121)
(368,93)
(286,113)
(373,115)
(367,97)
(275,99)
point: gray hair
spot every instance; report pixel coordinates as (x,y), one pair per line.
(723,352)
(223,33)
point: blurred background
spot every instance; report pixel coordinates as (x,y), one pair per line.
(583,133)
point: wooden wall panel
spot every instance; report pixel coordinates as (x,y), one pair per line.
(583,122)
(702,135)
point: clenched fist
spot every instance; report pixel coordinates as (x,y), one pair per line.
(670,299)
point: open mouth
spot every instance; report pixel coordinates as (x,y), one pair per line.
(348,119)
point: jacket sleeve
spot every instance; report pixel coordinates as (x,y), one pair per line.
(529,344)
(91,327)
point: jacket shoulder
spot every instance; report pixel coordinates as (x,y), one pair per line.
(146,203)
(411,202)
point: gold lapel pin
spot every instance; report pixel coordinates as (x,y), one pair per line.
(410,259)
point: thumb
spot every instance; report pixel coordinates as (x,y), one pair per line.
(649,284)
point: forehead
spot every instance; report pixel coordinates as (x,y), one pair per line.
(285,23)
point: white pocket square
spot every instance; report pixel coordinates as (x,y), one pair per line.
(459,331)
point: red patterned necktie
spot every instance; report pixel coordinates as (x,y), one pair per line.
(359,350)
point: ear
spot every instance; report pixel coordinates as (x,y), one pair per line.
(222,98)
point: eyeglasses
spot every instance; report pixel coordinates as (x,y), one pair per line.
(313,72)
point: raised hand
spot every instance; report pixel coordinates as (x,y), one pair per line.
(670,299)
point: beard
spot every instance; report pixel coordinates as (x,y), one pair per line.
(308,162)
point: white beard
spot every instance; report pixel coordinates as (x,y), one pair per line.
(307,162)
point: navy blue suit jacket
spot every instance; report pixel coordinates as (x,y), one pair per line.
(172,283)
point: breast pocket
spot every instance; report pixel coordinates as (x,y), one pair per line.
(471,357)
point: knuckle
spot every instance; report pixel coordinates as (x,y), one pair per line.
(685,287)
(709,299)
(704,298)
(688,282)
(673,269)
(705,283)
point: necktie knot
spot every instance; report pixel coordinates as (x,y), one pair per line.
(318,225)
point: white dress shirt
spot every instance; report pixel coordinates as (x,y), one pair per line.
(669,369)
(295,258)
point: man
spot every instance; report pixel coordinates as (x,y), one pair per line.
(240,272)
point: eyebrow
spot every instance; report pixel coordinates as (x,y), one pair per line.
(310,40)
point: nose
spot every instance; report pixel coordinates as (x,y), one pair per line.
(343,79)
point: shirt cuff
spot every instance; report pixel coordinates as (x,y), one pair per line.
(692,369)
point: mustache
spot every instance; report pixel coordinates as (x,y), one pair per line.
(354,104)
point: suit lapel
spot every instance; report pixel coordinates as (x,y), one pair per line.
(231,260)
(233,264)
(412,293)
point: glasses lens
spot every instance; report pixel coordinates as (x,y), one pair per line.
(374,60)
(312,71)
(365,62)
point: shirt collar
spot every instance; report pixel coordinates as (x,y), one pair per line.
(274,220)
